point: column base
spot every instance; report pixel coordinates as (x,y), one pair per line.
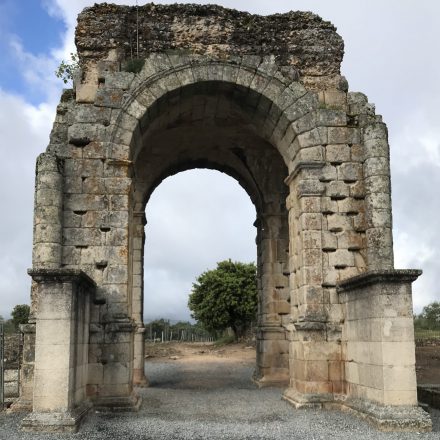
(383,418)
(300,400)
(390,418)
(21,405)
(139,379)
(68,421)
(130,403)
(272,380)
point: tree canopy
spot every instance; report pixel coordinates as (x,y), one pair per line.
(430,316)
(20,314)
(225,297)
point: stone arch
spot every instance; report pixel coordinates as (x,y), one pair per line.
(279,103)
(324,220)
(267,190)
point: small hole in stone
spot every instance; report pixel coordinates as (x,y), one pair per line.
(101,264)
(80,212)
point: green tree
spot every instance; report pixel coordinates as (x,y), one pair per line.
(67,69)
(20,314)
(430,316)
(225,297)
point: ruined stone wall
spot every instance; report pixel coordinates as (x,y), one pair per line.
(301,40)
(13,347)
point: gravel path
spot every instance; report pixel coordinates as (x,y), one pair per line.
(215,400)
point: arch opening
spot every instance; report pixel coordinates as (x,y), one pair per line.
(210,126)
(195,219)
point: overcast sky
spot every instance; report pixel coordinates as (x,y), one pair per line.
(200,217)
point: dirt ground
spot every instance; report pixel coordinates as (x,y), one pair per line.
(194,351)
(197,366)
(427,358)
(428,365)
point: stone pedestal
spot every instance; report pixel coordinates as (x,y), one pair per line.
(61,350)
(139,378)
(272,367)
(379,351)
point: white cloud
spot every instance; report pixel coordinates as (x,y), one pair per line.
(25,131)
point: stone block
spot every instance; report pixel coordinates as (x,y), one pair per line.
(376,131)
(305,123)
(376,166)
(351,240)
(343,135)
(82,237)
(86,93)
(397,378)
(357,190)
(379,218)
(378,238)
(400,397)
(90,114)
(335,99)
(302,106)
(337,190)
(119,80)
(328,206)
(118,202)
(330,277)
(398,353)
(322,351)
(109,97)
(357,153)
(311,257)
(338,223)
(341,258)
(315,137)
(331,118)
(311,239)
(310,221)
(328,173)
(329,241)
(350,206)
(350,172)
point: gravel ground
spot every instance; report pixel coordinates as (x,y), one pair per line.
(215,400)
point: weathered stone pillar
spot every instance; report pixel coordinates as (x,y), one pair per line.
(46,253)
(272,345)
(139,222)
(376,170)
(378,338)
(310,351)
(61,349)
(48,212)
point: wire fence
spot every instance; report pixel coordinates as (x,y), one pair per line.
(420,333)
(2,366)
(175,331)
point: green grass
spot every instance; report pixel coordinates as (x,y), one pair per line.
(224,340)
(426,334)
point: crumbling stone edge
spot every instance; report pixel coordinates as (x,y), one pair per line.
(383,418)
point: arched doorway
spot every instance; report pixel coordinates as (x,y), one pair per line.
(208,125)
